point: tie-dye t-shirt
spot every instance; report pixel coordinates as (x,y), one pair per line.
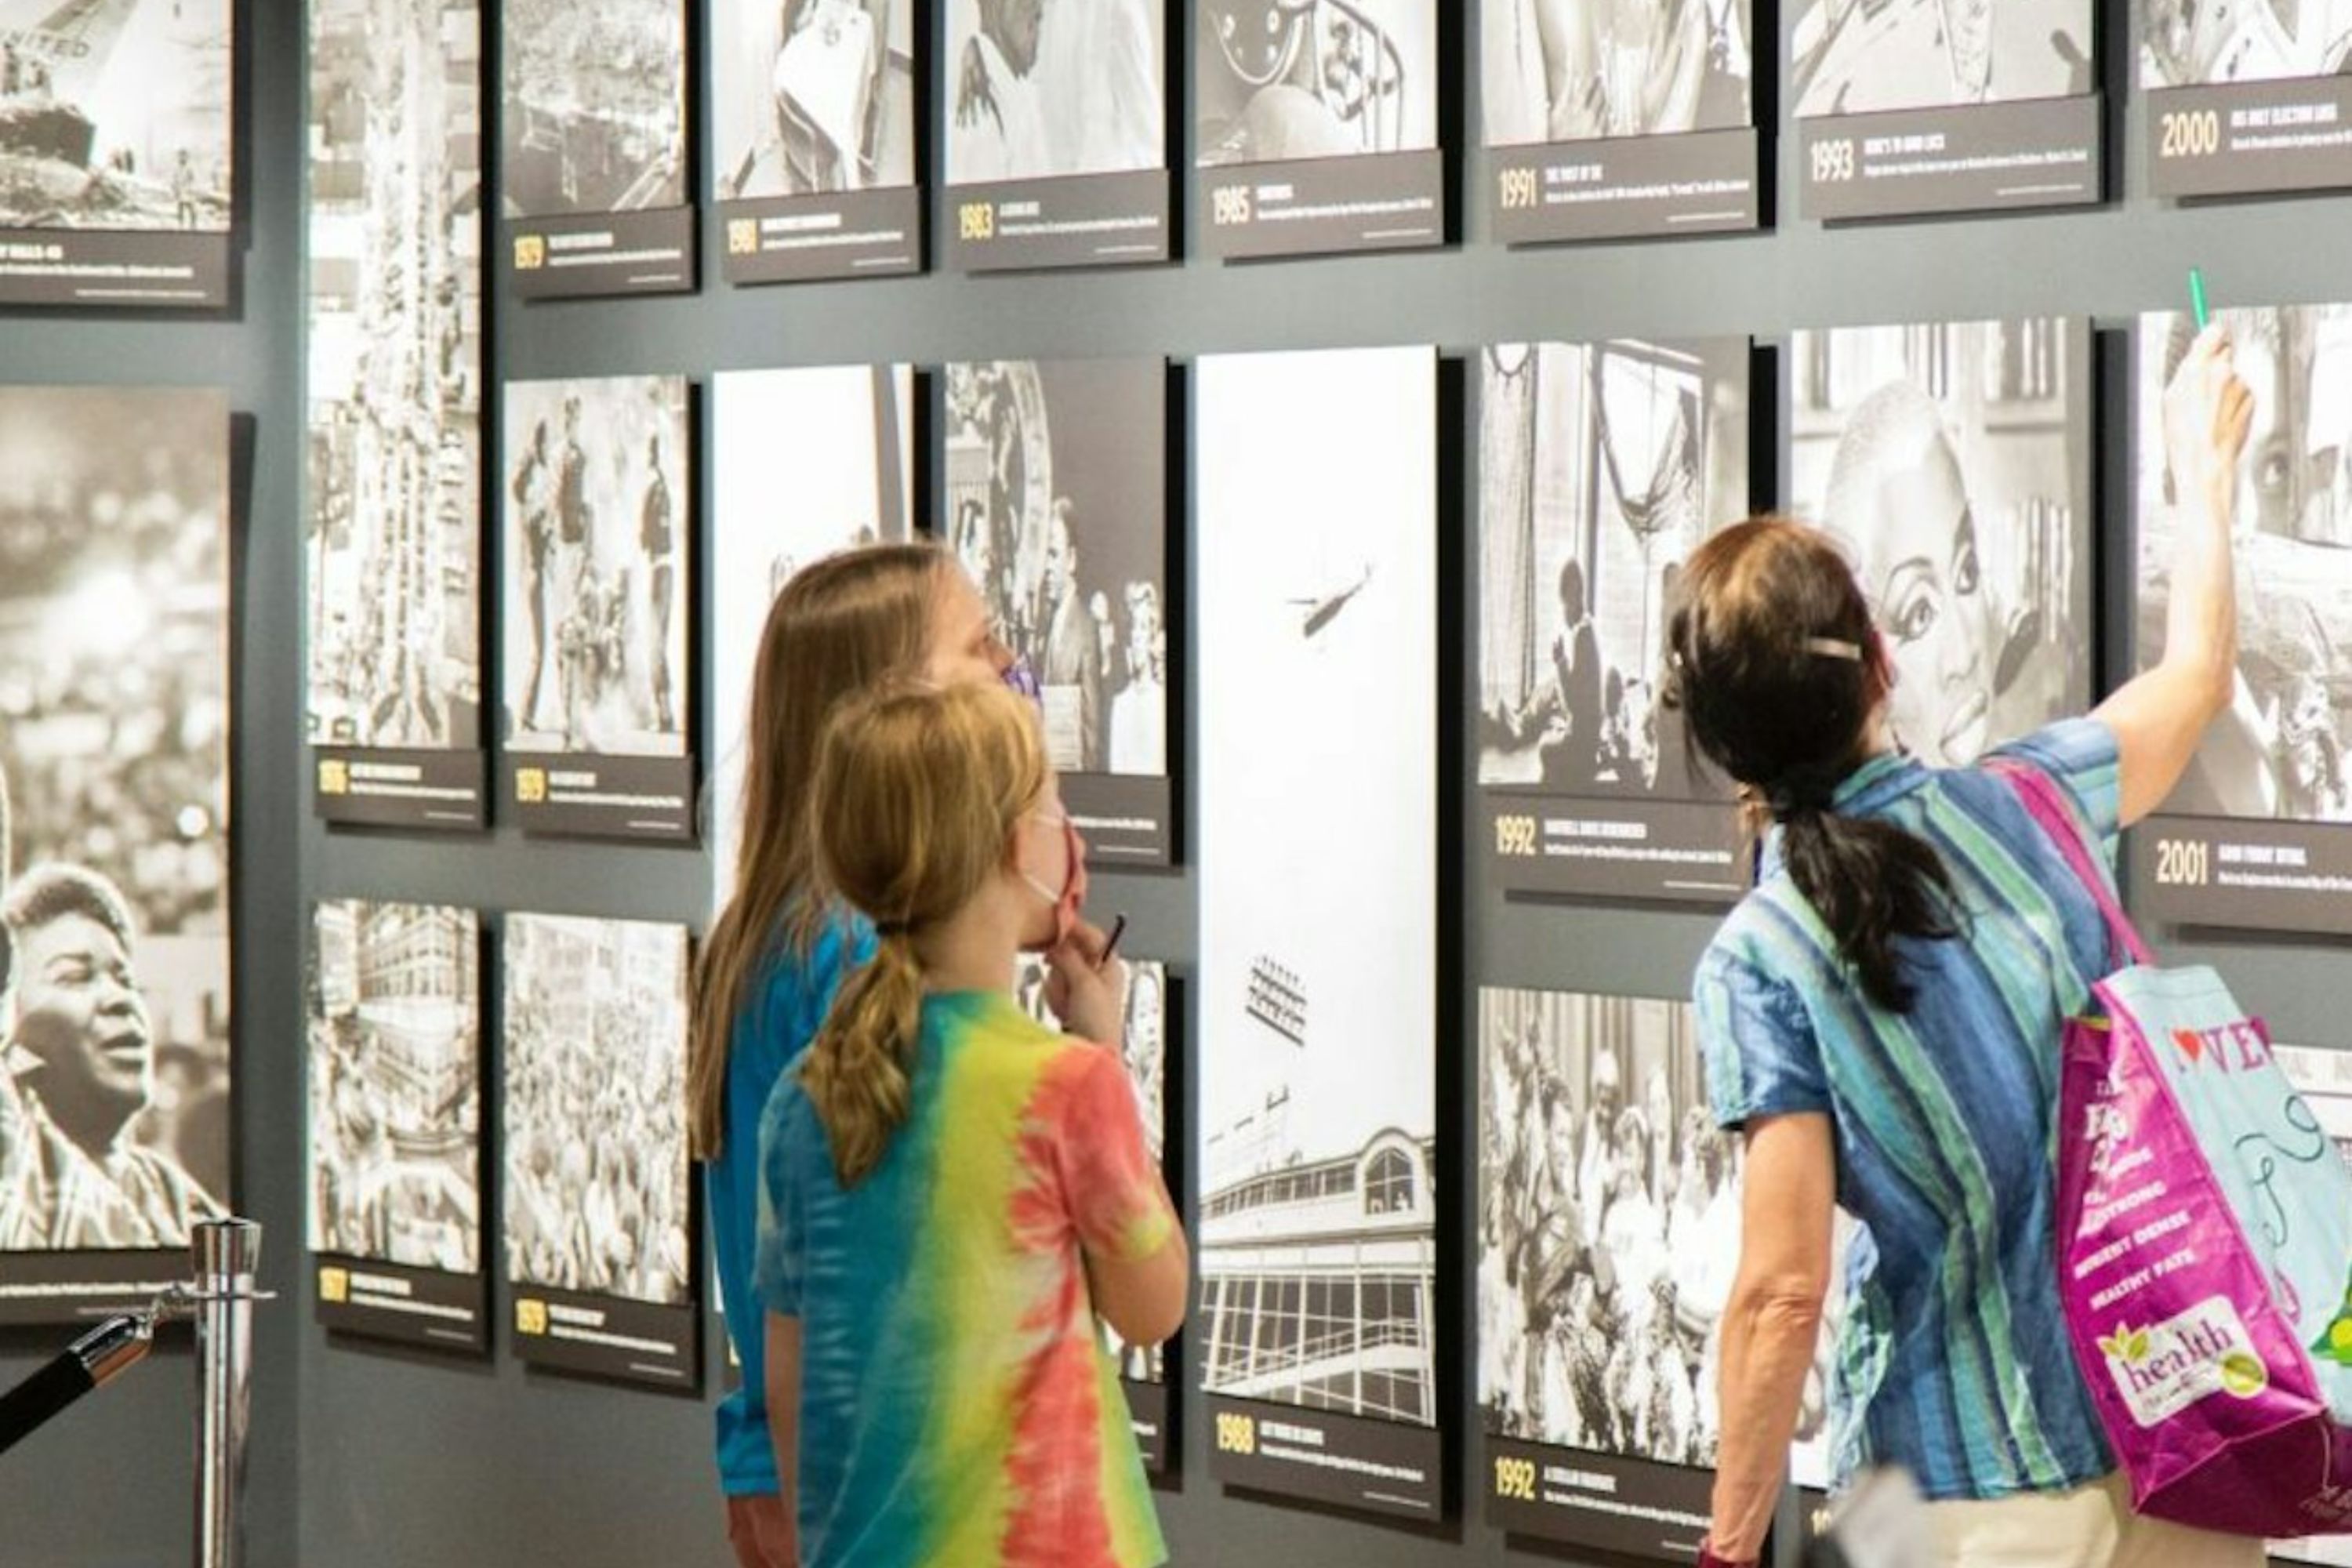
(958,1408)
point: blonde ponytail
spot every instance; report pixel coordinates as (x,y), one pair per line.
(918,790)
(859,1071)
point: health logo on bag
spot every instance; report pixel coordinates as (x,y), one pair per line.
(2166,1367)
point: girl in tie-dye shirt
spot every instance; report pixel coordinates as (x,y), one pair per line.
(952,1194)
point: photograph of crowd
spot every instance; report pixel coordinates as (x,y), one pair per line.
(1143,1049)
(1862,57)
(813,96)
(1608,1226)
(1281,80)
(393,534)
(598,517)
(2183,43)
(1577,70)
(2280,751)
(1600,467)
(1952,463)
(596,1108)
(1039,90)
(1056,502)
(114,817)
(593,114)
(395,1026)
(804,463)
(114,115)
(1317,991)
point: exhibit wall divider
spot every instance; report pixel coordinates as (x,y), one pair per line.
(375,1454)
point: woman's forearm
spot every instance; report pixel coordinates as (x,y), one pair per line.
(1768,1341)
(2200,631)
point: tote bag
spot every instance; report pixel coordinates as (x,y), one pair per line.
(2204,1241)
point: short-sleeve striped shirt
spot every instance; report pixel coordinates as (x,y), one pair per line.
(1954,1361)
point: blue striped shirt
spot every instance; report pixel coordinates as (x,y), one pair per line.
(1954,1360)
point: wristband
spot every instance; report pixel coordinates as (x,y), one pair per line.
(1709,1559)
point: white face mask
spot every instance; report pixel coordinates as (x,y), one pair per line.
(1072,895)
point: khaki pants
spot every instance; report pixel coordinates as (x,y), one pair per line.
(2089,1527)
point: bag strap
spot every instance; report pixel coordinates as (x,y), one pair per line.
(2039,793)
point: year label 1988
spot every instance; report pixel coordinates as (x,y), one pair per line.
(1237,1433)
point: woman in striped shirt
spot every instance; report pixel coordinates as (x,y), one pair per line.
(1881,1019)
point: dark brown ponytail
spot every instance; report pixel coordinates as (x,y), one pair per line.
(1774,664)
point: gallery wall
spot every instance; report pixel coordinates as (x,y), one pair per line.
(368,1457)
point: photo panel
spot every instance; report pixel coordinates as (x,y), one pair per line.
(1055,120)
(1614,121)
(807,463)
(2183,44)
(395,1108)
(393,527)
(597,523)
(599,1222)
(115,715)
(116,168)
(814,105)
(1608,1235)
(1914,107)
(1600,467)
(2259,831)
(593,158)
(1316,480)
(1151,1025)
(1316,125)
(1951,462)
(1055,500)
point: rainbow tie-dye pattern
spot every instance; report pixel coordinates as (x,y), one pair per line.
(958,1408)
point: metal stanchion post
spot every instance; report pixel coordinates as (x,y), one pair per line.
(226,1253)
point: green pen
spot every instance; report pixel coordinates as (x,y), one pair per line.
(2197,297)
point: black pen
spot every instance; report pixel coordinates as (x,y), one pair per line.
(1117,929)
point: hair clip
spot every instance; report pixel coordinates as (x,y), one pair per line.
(1834,648)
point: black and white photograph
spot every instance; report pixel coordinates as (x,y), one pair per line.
(1951,462)
(2280,752)
(598,518)
(1055,500)
(1574,70)
(1316,126)
(2184,44)
(116,120)
(1864,56)
(593,164)
(598,1223)
(812,96)
(1317,486)
(2255,834)
(1143,1049)
(1044,89)
(1281,81)
(393,493)
(1608,1232)
(395,1111)
(114,840)
(814,112)
(593,114)
(804,463)
(1600,467)
(115,114)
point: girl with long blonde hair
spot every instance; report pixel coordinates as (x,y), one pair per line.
(767,972)
(950,1191)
